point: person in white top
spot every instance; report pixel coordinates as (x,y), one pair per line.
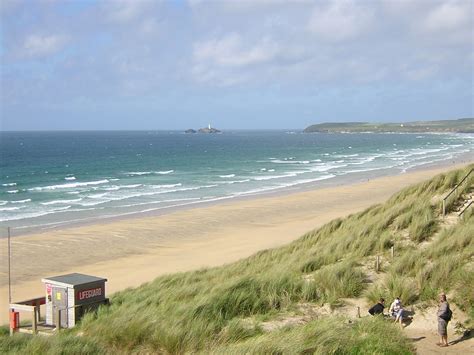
(396,311)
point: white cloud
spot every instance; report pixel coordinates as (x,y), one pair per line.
(449,16)
(216,77)
(402,7)
(143,46)
(149,26)
(229,60)
(340,20)
(420,73)
(43,45)
(125,11)
(8,6)
(231,52)
(244,5)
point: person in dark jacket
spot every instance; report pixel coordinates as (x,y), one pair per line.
(378,308)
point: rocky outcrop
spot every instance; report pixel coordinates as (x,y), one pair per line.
(209,130)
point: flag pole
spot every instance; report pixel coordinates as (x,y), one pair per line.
(9,270)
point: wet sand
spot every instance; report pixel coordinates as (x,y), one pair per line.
(130,252)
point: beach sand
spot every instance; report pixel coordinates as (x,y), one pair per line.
(132,251)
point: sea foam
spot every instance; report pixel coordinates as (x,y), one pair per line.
(69,186)
(10,208)
(166,172)
(9,184)
(60,202)
(21,201)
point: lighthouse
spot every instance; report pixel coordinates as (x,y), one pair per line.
(209,126)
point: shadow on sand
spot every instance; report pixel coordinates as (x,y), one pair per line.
(417,339)
(469,334)
(408,317)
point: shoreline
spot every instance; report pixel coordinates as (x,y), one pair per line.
(129,252)
(340,180)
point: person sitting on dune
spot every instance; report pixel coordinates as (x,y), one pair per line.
(396,311)
(378,308)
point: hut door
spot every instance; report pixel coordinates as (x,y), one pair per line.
(60,302)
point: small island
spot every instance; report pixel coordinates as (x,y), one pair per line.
(207,129)
(462,125)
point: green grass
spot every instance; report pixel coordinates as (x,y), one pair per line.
(218,309)
(58,344)
(452,201)
(327,336)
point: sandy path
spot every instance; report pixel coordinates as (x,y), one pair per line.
(132,251)
(423,332)
(425,343)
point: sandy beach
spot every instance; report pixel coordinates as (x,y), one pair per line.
(132,251)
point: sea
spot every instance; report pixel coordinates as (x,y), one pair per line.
(56,179)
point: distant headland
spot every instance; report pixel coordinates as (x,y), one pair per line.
(462,125)
(207,129)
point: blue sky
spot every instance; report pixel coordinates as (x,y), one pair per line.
(82,64)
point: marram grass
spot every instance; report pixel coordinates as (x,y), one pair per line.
(326,336)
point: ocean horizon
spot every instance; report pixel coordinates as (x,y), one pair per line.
(52,179)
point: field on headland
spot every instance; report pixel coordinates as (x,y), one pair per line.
(462,125)
(287,299)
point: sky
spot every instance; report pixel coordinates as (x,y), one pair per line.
(249,64)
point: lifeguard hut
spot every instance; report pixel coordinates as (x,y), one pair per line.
(69,296)
(67,299)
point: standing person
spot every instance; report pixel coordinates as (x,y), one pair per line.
(396,311)
(378,308)
(444,316)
